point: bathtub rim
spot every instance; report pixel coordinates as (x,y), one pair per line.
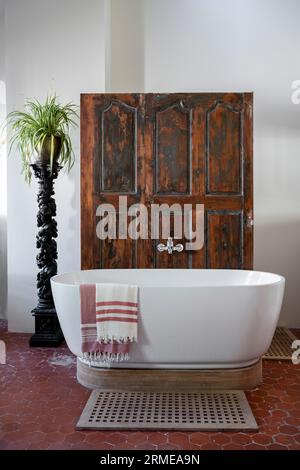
(278,278)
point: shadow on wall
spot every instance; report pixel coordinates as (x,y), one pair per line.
(22,297)
(3,268)
(277,249)
(3,189)
(66,191)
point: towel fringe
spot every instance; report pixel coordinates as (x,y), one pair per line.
(103,357)
(106,339)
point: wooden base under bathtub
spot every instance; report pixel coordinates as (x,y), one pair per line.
(244,378)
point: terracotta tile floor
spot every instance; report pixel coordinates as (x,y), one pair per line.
(40,402)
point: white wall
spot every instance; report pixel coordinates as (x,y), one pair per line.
(243,45)
(3,189)
(126,51)
(50,45)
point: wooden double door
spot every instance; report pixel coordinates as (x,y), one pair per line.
(182,148)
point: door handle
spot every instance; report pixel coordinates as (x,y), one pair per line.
(170,247)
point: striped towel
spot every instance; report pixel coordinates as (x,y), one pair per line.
(109,316)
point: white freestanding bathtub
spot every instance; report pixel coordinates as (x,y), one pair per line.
(189,319)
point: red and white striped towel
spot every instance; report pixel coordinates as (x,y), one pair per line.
(109,317)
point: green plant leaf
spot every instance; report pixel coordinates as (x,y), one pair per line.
(29,128)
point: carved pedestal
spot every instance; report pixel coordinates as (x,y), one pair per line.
(47,328)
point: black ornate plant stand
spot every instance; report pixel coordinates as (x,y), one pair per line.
(47,328)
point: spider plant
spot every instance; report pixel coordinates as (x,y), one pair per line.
(43,130)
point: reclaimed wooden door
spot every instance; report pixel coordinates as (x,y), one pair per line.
(111,166)
(183,148)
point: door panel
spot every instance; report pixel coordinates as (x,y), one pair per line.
(111,166)
(224,150)
(117,148)
(176,153)
(224,239)
(172,150)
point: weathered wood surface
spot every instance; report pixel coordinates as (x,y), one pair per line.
(169,148)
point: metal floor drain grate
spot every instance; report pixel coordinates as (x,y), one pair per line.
(205,411)
(281,346)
